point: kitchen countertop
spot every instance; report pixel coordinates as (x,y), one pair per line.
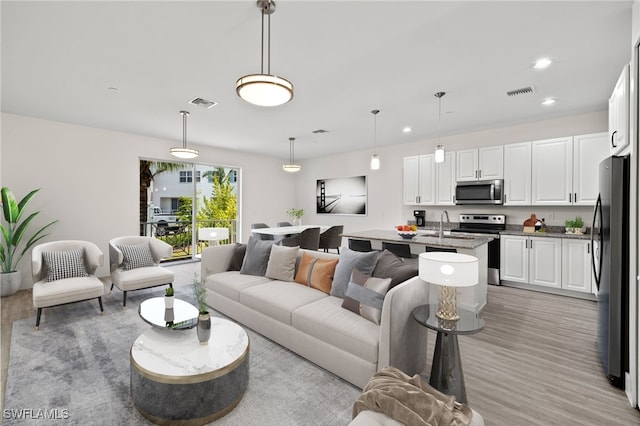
(584,236)
(424,237)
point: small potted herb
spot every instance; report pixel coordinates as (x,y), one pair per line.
(574,226)
(168,298)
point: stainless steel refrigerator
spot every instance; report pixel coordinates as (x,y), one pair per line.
(610,261)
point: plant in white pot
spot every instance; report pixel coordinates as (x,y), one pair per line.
(13,232)
(296,215)
(168,298)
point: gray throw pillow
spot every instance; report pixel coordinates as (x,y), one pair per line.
(238,257)
(65,264)
(257,257)
(349,259)
(282,263)
(136,256)
(391,266)
(365,295)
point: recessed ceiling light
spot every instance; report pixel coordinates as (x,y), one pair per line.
(406,129)
(549,101)
(541,63)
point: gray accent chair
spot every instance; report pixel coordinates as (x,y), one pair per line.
(67,290)
(284,224)
(360,245)
(332,238)
(139,278)
(308,239)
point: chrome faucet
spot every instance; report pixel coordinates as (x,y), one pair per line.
(441,232)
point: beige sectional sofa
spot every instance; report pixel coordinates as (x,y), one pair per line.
(314,324)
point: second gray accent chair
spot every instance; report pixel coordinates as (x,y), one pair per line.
(137,278)
(262,236)
(308,239)
(332,238)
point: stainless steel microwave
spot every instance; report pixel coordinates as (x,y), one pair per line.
(479,192)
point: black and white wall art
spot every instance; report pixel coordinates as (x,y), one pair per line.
(346,195)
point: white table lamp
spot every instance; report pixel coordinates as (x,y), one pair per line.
(448,270)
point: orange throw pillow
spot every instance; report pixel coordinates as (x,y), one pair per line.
(316,273)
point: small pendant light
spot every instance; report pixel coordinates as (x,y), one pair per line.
(375,158)
(184,152)
(439,155)
(292,167)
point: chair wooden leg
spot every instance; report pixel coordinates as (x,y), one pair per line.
(338,250)
(124,299)
(100,302)
(111,288)
(38,319)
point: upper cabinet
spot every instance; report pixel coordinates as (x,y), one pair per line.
(426,182)
(517,174)
(479,164)
(619,114)
(551,171)
(564,171)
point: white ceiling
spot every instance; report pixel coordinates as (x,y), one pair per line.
(345,58)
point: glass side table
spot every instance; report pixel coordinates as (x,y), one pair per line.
(446,367)
(182,316)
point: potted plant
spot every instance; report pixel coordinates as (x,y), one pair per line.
(203,328)
(169,298)
(296,215)
(574,226)
(12,234)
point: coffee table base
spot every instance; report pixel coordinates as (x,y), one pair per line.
(175,401)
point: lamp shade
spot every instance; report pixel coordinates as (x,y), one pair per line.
(264,90)
(439,157)
(448,269)
(375,162)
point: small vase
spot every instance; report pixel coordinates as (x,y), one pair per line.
(10,283)
(204,328)
(168,302)
(297,222)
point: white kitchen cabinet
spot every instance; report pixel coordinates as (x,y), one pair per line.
(480,164)
(446,180)
(619,114)
(576,265)
(531,260)
(588,152)
(551,171)
(419,182)
(517,174)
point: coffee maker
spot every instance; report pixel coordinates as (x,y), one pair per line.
(419,215)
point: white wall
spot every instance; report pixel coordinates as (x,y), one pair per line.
(385,208)
(89,179)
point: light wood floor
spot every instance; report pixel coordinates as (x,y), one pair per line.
(535,363)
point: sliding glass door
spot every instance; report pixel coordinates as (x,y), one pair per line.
(178,200)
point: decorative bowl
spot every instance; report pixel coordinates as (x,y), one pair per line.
(407,235)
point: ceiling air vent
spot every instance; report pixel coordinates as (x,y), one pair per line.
(522,91)
(319,131)
(201,102)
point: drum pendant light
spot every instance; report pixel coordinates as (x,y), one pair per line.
(292,167)
(265,89)
(183,151)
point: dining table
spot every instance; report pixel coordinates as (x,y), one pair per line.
(287,230)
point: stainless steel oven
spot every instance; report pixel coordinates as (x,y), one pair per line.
(484,224)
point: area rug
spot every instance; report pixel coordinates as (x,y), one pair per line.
(75,370)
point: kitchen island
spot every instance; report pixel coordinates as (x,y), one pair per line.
(471,298)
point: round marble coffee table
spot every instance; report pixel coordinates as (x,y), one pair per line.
(176,380)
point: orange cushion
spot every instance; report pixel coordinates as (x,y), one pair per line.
(316,273)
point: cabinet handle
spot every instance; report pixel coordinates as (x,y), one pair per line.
(588,248)
(569,197)
(479,174)
(575,197)
(531,241)
(613,144)
(475,174)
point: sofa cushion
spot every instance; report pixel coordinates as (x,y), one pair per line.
(282,263)
(316,273)
(365,294)
(136,256)
(326,320)
(229,284)
(391,266)
(278,299)
(350,259)
(257,257)
(237,258)
(64,264)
